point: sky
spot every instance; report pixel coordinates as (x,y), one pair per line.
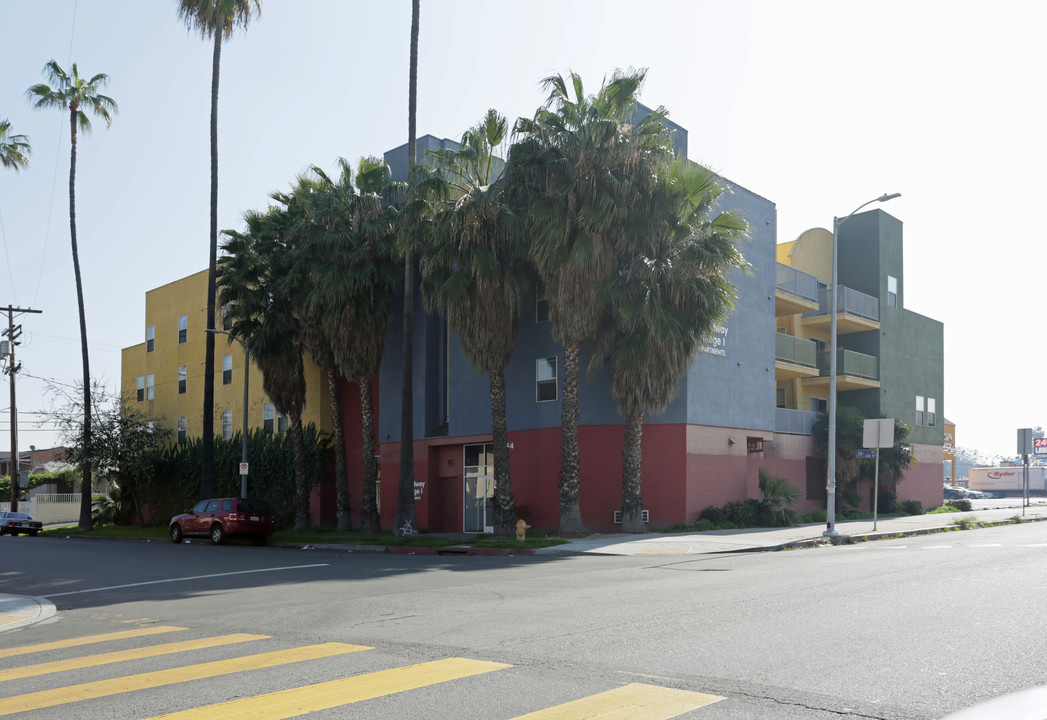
(817,106)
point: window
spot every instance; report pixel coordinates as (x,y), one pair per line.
(930,412)
(149,386)
(819,405)
(919,409)
(227,319)
(545,378)
(183,328)
(181,429)
(150,338)
(753,445)
(227,369)
(183,374)
(268,412)
(140,389)
(541,305)
(281,422)
(779,397)
(892,291)
(227,424)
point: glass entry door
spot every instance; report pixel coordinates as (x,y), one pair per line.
(478,489)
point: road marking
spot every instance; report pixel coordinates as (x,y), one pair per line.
(123,655)
(938,547)
(1035,545)
(87,640)
(635,701)
(103,688)
(989,545)
(335,693)
(183,579)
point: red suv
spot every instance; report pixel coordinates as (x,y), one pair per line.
(223,518)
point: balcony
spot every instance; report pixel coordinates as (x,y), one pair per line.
(795,291)
(855,311)
(794,422)
(854,371)
(794,357)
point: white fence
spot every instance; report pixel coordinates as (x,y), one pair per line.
(50,509)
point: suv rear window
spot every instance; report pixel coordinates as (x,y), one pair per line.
(253,506)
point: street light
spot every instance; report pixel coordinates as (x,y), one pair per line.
(243,447)
(830,487)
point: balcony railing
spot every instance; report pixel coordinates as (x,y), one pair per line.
(849,362)
(796,282)
(795,350)
(794,422)
(849,301)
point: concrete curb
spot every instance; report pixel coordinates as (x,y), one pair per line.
(19,610)
(873,537)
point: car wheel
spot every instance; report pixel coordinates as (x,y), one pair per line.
(2,531)
(217,534)
(176,533)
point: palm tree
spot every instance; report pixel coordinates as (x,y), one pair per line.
(257,284)
(68,91)
(579,166)
(667,298)
(214,19)
(406,523)
(351,268)
(14,149)
(476,273)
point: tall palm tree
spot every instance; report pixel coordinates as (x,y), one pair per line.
(476,273)
(214,19)
(350,266)
(671,291)
(406,523)
(80,96)
(580,168)
(14,149)
(256,283)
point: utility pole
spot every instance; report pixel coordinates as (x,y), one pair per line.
(12,334)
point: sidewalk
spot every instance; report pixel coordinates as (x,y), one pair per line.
(756,539)
(19,610)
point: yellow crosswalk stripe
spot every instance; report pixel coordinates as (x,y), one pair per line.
(102,688)
(87,640)
(635,701)
(122,655)
(322,696)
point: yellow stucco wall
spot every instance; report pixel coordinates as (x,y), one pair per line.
(163,307)
(810,252)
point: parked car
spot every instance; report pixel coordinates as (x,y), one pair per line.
(955,493)
(222,518)
(975,494)
(16,522)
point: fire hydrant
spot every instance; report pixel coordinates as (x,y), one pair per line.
(521,530)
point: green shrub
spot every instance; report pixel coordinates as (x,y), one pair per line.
(912,507)
(696,526)
(818,515)
(745,513)
(942,509)
(963,505)
(714,515)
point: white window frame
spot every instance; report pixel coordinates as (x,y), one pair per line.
(931,414)
(181,429)
(227,369)
(140,388)
(268,416)
(541,305)
(183,329)
(545,380)
(150,338)
(818,404)
(892,291)
(183,379)
(150,385)
(920,405)
(227,424)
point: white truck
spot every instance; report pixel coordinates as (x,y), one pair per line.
(1007,480)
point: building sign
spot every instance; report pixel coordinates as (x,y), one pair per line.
(1039,446)
(716,344)
(419,488)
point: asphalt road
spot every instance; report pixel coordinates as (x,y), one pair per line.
(911,628)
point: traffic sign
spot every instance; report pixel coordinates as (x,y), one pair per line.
(865,454)
(243,468)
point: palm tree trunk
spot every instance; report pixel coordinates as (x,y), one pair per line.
(302,522)
(370,519)
(341,480)
(207,451)
(504,503)
(406,522)
(632,460)
(85,485)
(570,478)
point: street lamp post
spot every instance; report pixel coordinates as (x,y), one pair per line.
(243,439)
(830,487)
